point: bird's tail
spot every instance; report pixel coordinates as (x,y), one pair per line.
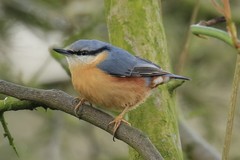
(174,76)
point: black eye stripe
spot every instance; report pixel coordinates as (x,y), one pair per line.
(82,53)
(86,52)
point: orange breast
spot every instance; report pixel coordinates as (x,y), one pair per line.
(108,91)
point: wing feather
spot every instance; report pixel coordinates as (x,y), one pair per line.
(122,64)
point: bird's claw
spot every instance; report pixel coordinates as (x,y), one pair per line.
(76,108)
(117,121)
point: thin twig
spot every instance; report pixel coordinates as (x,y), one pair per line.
(213,21)
(184,52)
(7,133)
(232,110)
(226,11)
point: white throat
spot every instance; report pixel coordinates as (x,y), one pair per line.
(80,60)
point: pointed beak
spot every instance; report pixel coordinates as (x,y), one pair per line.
(174,76)
(61,51)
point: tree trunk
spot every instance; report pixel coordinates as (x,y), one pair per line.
(137,27)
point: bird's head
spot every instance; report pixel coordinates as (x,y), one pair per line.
(83,51)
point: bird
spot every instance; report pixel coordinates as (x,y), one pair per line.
(112,78)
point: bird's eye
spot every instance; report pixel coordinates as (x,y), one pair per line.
(82,53)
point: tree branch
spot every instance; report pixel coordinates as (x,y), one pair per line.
(194,146)
(59,100)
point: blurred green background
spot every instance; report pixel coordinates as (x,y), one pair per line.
(28,28)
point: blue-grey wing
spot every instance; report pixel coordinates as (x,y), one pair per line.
(146,68)
(122,64)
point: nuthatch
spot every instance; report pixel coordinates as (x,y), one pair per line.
(111,77)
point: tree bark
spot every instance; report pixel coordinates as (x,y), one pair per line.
(137,27)
(31,98)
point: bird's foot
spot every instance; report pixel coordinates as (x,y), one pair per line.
(117,121)
(81,102)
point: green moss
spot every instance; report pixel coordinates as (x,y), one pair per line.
(137,27)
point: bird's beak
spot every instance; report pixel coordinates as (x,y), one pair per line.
(61,51)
